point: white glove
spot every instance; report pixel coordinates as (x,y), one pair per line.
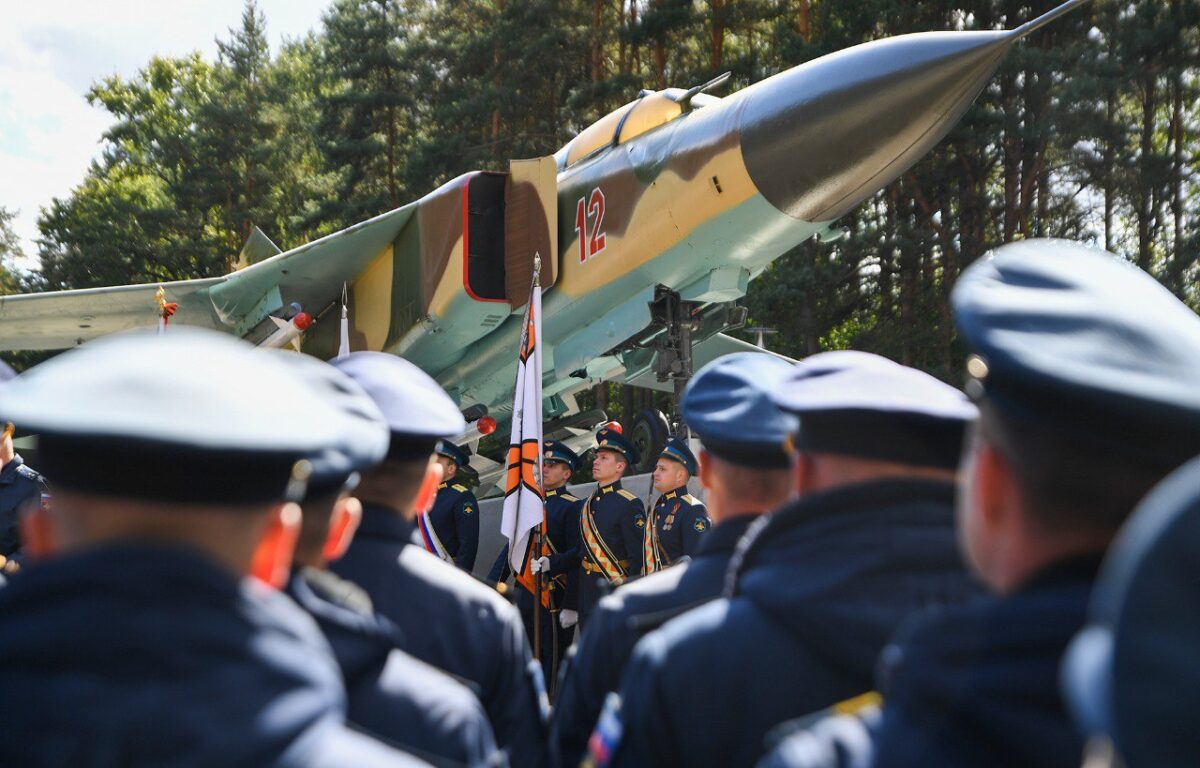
(568,618)
(540,564)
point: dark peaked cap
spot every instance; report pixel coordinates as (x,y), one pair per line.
(190,415)
(860,404)
(1132,673)
(1073,337)
(363,440)
(417,410)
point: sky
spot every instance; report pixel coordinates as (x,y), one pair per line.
(51,51)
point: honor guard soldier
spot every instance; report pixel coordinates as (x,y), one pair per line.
(19,485)
(560,568)
(746,471)
(1087,374)
(611,524)
(447,617)
(133,636)
(390,694)
(451,529)
(678,519)
(813,593)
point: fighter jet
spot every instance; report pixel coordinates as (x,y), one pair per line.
(650,223)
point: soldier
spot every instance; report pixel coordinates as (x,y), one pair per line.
(746,471)
(817,588)
(448,618)
(611,523)
(561,567)
(1087,374)
(678,519)
(390,694)
(133,637)
(20,484)
(452,532)
(1130,676)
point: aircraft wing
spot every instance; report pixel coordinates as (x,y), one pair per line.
(703,353)
(312,274)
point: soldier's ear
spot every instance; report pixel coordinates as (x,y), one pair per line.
(343,522)
(428,490)
(38,535)
(273,556)
(704,473)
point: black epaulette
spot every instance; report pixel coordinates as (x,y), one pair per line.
(627,494)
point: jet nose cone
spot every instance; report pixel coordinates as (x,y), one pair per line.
(820,138)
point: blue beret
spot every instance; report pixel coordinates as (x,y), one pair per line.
(612,440)
(860,404)
(189,415)
(453,452)
(553,450)
(676,449)
(1074,337)
(728,403)
(363,439)
(1131,673)
(418,411)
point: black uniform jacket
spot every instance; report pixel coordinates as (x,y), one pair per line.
(620,620)
(455,518)
(821,589)
(620,519)
(457,624)
(977,685)
(390,694)
(144,656)
(680,521)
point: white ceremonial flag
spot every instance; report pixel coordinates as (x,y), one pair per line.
(524,507)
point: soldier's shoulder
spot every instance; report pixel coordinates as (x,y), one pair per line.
(627,495)
(452,583)
(567,497)
(690,499)
(28,473)
(460,488)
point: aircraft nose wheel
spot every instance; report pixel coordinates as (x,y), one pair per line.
(649,435)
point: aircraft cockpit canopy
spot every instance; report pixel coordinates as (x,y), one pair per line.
(647,112)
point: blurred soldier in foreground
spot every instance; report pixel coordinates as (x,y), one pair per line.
(611,523)
(1130,676)
(133,637)
(746,471)
(816,589)
(448,619)
(452,530)
(560,568)
(19,485)
(390,694)
(678,519)
(1087,372)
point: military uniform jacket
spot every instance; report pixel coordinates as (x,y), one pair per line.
(455,520)
(133,655)
(562,528)
(18,484)
(673,529)
(390,694)
(977,685)
(457,624)
(826,582)
(620,620)
(611,526)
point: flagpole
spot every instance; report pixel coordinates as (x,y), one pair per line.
(537,470)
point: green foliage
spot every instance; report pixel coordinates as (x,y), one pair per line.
(1090,129)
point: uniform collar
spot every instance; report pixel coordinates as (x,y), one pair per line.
(615,485)
(553,492)
(9,473)
(723,537)
(675,493)
(443,484)
(383,522)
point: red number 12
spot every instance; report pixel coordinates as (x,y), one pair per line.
(591,207)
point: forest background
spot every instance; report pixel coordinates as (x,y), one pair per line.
(1090,130)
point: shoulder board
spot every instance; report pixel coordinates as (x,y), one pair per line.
(690,499)
(567,497)
(627,494)
(459,488)
(30,474)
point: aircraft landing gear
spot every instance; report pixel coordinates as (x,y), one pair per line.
(673,361)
